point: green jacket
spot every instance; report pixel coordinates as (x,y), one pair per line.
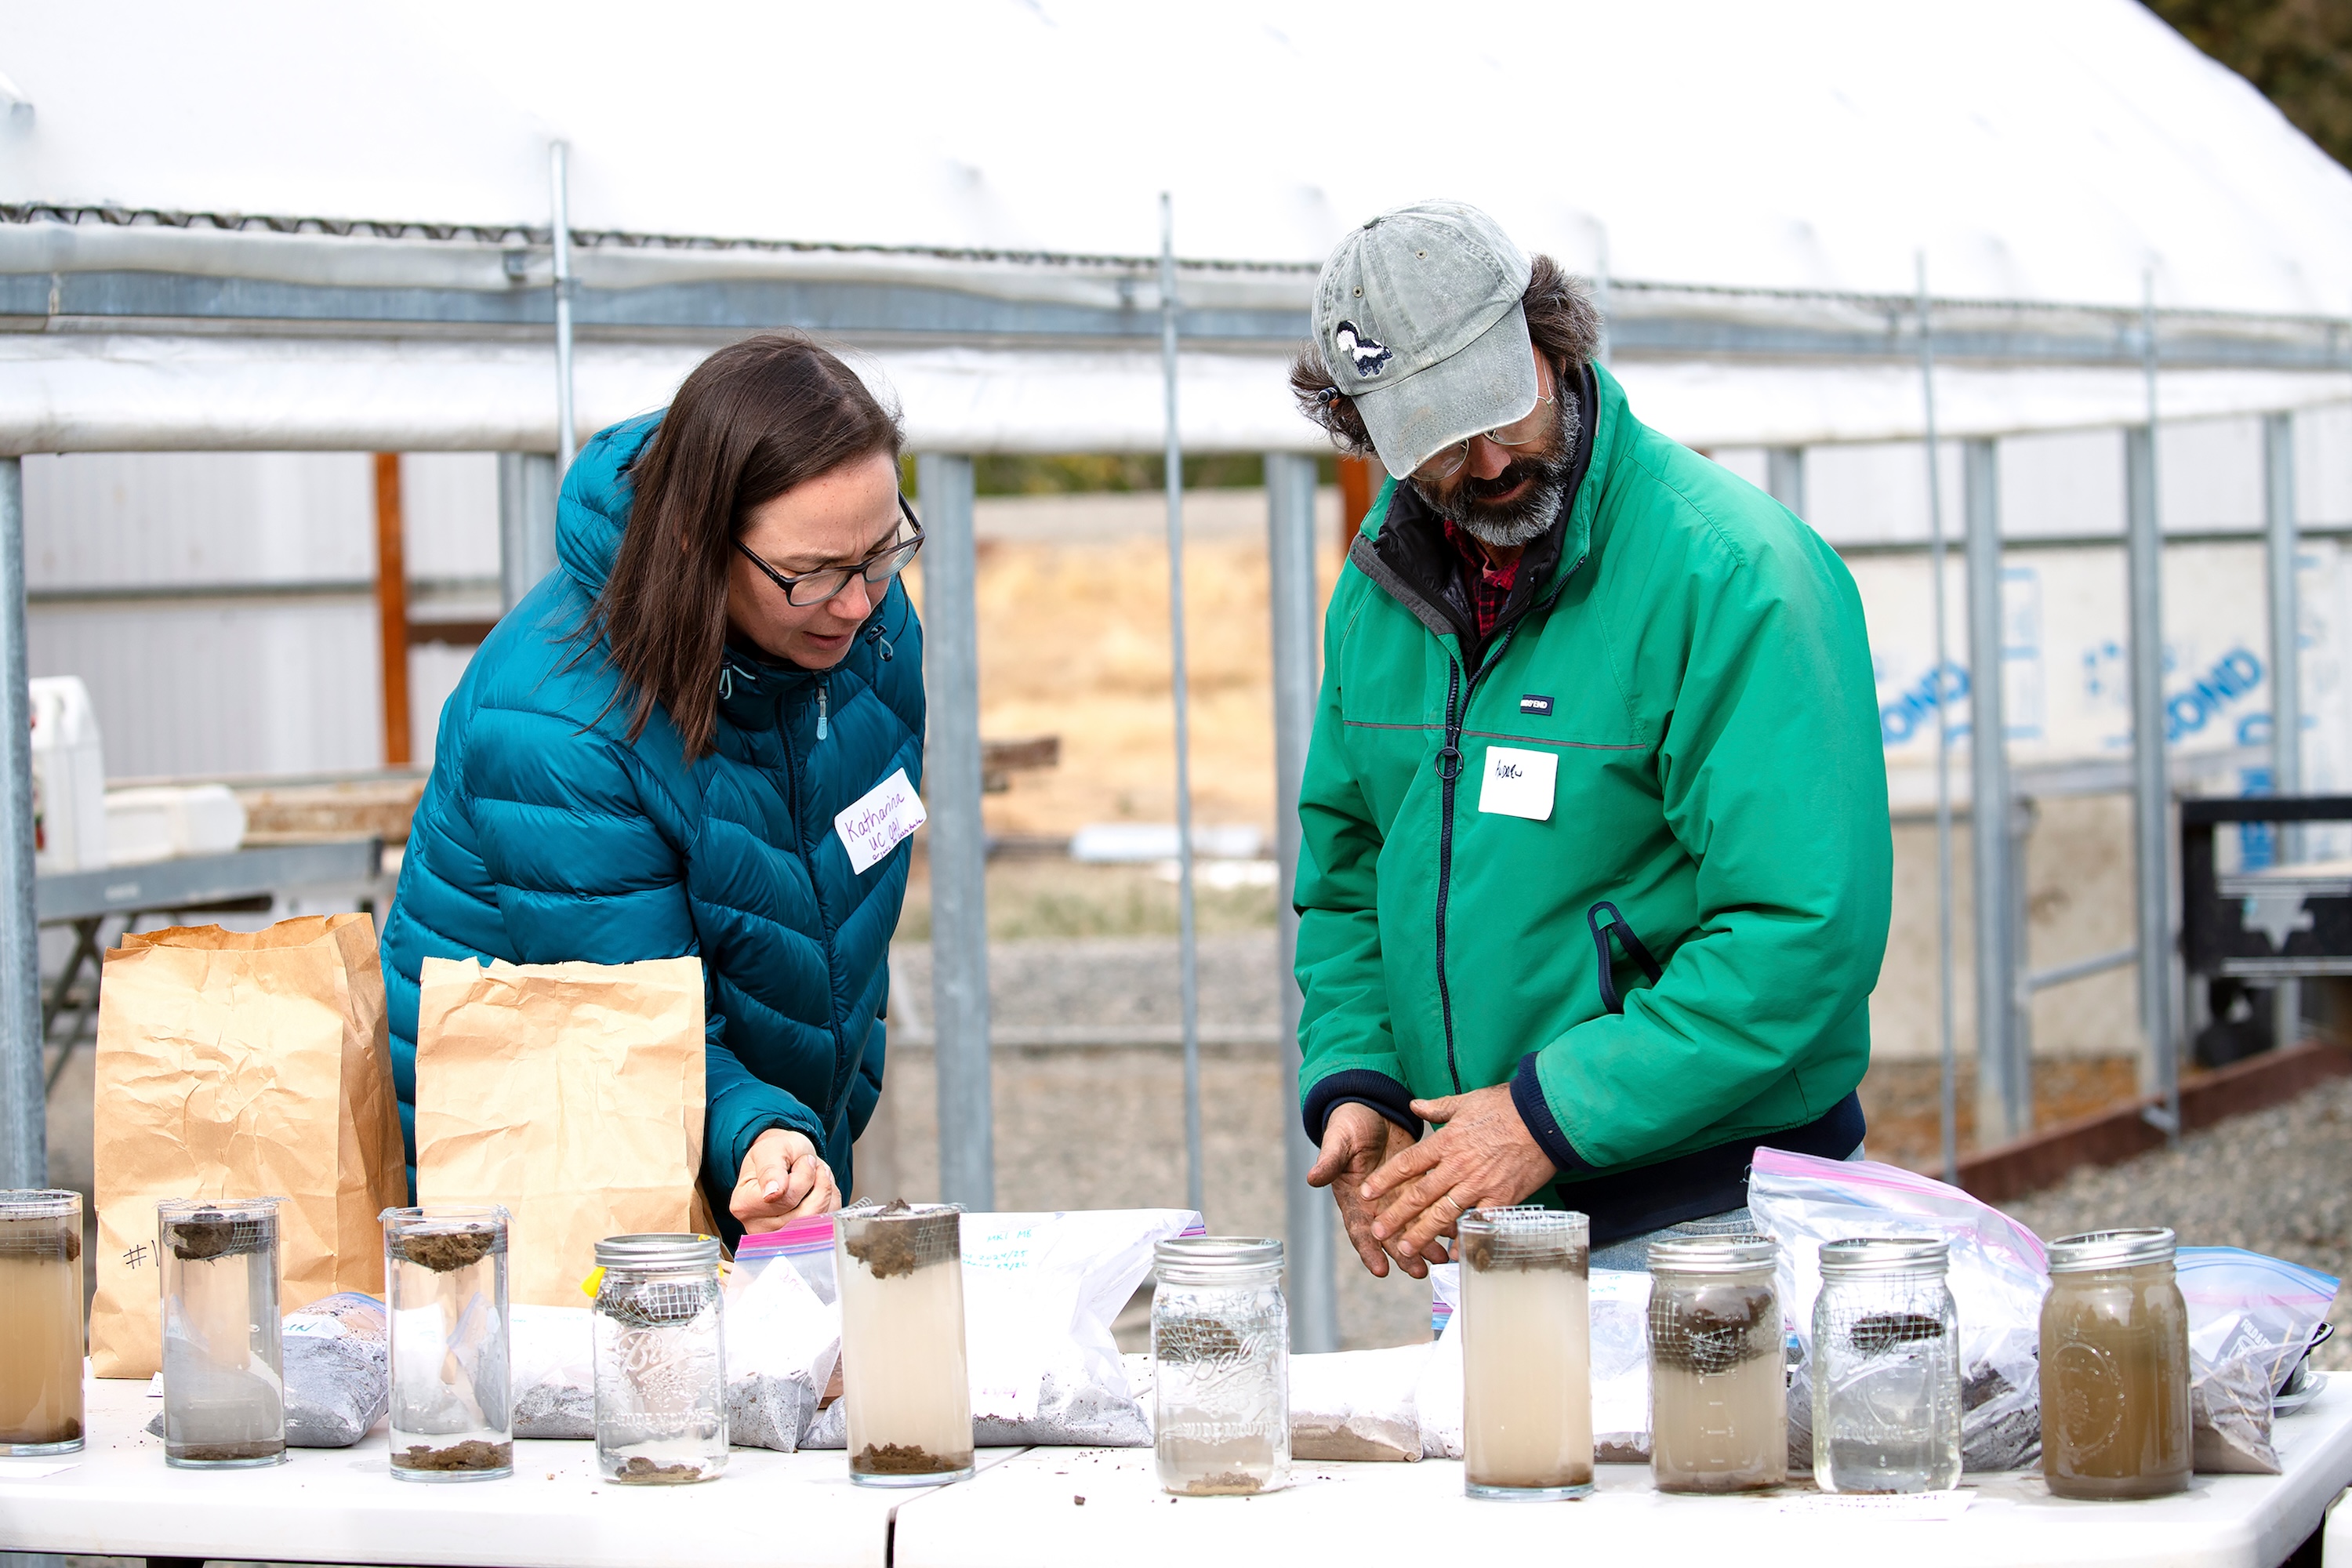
(1693,658)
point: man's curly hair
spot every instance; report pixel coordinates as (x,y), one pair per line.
(1561,319)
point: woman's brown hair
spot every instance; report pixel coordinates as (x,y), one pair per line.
(1562,321)
(751,422)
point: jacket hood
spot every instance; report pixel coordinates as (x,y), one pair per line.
(592,507)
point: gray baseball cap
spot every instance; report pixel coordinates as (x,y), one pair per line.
(1418,319)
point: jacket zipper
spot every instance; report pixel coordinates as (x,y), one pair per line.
(1449,772)
(820,709)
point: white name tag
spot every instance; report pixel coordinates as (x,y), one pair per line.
(882,816)
(1518,782)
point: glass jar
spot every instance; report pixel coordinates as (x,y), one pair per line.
(899,1272)
(2114,1368)
(1526,1352)
(224,1368)
(445,1272)
(40,1321)
(1719,1373)
(1886,1367)
(1220,1365)
(661,1369)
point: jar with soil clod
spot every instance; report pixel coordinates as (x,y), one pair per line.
(900,1268)
(1526,1352)
(2116,1416)
(1719,1373)
(1886,1367)
(661,1371)
(446,1282)
(1221,1366)
(223,1366)
(40,1322)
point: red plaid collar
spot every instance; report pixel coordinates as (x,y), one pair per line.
(1489,586)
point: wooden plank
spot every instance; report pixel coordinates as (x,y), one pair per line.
(392,606)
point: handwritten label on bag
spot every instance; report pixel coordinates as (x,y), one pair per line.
(1518,782)
(880,819)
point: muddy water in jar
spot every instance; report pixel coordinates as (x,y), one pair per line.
(1719,1373)
(446,1274)
(1527,1353)
(223,1369)
(40,1322)
(900,1272)
(1220,1366)
(2115,1420)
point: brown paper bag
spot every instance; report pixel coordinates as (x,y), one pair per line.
(234,1065)
(570,1093)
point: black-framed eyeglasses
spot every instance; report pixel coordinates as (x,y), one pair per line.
(815,588)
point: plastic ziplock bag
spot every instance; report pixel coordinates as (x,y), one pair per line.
(1999,1274)
(784,1337)
(1040,1291)
(1356,1404)
(553,1365)
(2251,1319)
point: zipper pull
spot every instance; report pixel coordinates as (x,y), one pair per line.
(882,644)
(820,709)
(726,680)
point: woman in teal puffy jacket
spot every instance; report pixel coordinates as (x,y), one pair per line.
(648,755)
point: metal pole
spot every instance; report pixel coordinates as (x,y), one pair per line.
(1784,476)
(1290,554)
(1187,958)
(959,847)
(559,231)
(1600,301)
(1989,805)
(2286,677)
(2152,860)
(23,1105)
(526,523)
(1947,1054)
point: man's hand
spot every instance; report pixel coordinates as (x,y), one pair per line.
(1482,1156)
(1356,1139)
(782,1179)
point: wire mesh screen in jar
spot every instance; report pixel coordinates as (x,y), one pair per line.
(661,1415)
(640,1303)
(1886,1368)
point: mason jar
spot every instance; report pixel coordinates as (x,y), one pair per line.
(1886,1367)
(661,1369)
(899,1268)
(1221,1366)
(445,1274)
(40,1321)
(223,1366)
(2114,1368)
(1526,1352)
(1719,1369)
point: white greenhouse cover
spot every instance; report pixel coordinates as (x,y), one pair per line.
(2036,151)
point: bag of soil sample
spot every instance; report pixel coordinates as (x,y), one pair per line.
(1356,1404)
(783,1341)
(1998,1276)
(232,1064)
(1040,1291)
(572,1093)
(2251,1319)
(553,1363)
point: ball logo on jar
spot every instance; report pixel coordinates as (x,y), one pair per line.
(2091,1396)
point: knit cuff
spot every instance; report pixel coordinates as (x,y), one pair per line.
(1528,1099)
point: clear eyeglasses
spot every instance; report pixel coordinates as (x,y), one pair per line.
(815,588)
(1529,427)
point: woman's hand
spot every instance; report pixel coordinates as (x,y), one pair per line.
(783,1178)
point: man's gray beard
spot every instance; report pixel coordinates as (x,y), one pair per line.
(1525,518)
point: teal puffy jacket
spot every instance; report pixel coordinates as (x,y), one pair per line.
(544,836)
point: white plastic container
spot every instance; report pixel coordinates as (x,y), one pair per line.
(161,822)
(68,778)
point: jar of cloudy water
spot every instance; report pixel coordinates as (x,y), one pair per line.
(1719,1373)
(661,1370)
(444,1270)
(1886,1367)
(1526,1352)
(900,1268)
(40,1322)
(1221,1366)
(224,1365)
(2114,1368)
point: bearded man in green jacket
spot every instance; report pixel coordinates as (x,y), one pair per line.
(1596,862)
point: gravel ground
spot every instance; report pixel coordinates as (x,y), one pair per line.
(2279,1182)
